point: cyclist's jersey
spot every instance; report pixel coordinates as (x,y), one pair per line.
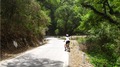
(67,38)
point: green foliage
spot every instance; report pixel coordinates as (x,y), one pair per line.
(103,37)
(118,62)
(105,40)
(81,40)
(56,31)
(98,19)
(22,20)
(68,18)
(99,60)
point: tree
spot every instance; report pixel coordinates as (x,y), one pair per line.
(23,21)
(51,6)
(106,9)
(101,22)
(67,18)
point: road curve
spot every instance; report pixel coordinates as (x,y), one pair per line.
(51,54)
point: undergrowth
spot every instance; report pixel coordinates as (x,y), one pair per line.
(99,57)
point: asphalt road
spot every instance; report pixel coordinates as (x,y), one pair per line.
(51,54)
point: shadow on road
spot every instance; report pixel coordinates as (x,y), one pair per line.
(30,61)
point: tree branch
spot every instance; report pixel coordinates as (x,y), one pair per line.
(111,11)
(100,13)
(104,6)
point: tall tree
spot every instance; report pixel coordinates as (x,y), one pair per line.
(23,21)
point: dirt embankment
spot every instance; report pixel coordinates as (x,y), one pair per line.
(13,51)
(77,57)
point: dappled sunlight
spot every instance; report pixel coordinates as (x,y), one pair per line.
(29,61)
(51,54)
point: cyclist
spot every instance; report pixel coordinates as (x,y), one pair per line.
(67,42)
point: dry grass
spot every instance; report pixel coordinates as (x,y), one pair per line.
(77,56)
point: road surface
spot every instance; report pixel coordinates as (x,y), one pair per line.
(51,54)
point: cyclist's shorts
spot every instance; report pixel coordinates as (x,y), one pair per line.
(67,42)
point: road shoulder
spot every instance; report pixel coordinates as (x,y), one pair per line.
(78,58)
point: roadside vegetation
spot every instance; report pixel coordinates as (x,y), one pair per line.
(106,55)
(101,25)
(27,21)
(23,25)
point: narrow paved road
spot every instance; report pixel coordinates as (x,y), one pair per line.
(51,54)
